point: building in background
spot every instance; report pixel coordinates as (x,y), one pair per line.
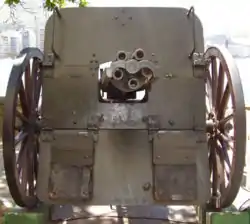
(41,40)
(28,38)
(10,43)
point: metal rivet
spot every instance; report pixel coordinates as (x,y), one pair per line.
(169,75)
(171,122)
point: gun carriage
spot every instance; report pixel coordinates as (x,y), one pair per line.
(124,107)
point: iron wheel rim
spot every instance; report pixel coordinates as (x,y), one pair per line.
(220,92)
(27,131)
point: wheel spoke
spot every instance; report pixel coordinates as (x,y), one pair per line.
(30,166)
(28,83)
(214,80)
(20,137)
(220,87)
(20,156)
(224,120)
(225,138)
(223,148)
(224,102)
(22,117)
(23,99)
(222,170)
(22,166)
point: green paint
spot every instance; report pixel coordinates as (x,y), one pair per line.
(228,218)
(24,218)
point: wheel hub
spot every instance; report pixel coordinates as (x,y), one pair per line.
(34,127)
(212,124)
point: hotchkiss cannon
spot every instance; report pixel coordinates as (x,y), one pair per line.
(163,122)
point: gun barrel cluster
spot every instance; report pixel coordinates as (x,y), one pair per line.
(129,72)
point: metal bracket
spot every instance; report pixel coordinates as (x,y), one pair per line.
(94,125)
(153,125)
(199,60)
(200,63)
(49,60)
(47,135)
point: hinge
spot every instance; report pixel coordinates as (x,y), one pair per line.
(199,60)
(49,60)
(200,64)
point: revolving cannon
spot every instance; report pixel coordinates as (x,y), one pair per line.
(129,73)
(183,145)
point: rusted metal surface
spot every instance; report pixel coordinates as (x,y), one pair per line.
(179,166)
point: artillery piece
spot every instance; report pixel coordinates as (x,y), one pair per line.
(77,133)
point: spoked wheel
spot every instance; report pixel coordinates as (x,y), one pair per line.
(21,127)
(226,127)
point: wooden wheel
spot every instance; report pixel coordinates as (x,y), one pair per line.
(226,126)
(21,127)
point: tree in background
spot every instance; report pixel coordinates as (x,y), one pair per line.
(50,4)
(25,6)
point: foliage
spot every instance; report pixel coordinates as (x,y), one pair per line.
(51,4)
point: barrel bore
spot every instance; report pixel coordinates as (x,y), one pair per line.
(118,74)
(133,83)
(138,54)
(121,55)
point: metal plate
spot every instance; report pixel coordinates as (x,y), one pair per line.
(180,167)
(181,184)
(66,165)
(72,148)
(70,182)
(177,98)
